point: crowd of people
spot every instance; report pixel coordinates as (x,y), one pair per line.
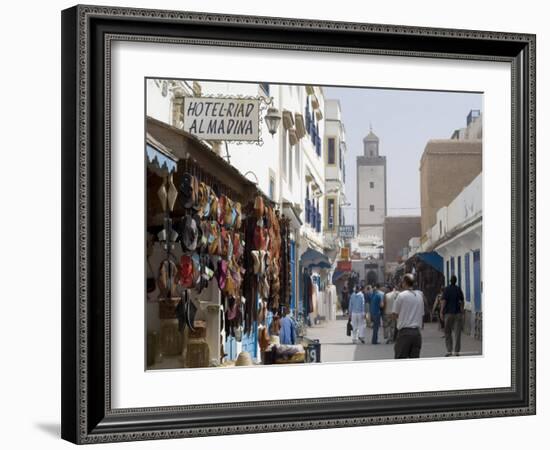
(401,310)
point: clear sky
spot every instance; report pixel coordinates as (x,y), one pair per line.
(404,121)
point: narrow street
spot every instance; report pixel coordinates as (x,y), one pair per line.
(337,347)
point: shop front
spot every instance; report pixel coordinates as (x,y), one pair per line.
(219,260)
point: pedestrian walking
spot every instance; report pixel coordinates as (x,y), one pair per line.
(376,308)
(408,310)
(367,293)
(436,309)
(452,311)
(345,298)
(287,331)
(357,315)
(389,320)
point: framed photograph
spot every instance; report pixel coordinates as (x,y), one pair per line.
(284,224)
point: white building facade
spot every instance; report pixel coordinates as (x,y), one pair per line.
(457,237)
(334,155)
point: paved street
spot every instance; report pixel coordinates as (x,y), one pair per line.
(336,346)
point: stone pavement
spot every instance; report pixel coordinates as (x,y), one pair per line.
(337,347)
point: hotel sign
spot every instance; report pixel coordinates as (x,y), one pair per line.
(346,231)
(222,119)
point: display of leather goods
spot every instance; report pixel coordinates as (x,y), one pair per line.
(172,194)
(257,265)
(196,184)
(263,287)
(168,236)
(202,199)
(258,206)
(223,242)
(238,218)
(213,205)
(235,275)
(190,234)
(233,310)
(191,311)
(213,238)
(186,279)
(221,274)
(196,268)
(181,315)
(239,337)
(222,202)
(186,190)
(236,246)
(263,338)
(229,288)
(168,273)
(163,194)
(207,202)
(259,237)
(205,235)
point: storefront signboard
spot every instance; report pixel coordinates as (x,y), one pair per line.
(346,231)
(222,118)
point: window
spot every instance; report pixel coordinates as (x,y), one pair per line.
(331,151)
(467,276)
(308,206)
(371,184)
(297,158)
(330,214)
(290,174)
(284,151)
(459,263)
(371,208)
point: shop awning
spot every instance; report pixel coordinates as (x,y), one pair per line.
(434,259)
(337,275)
(313,258)
(159,161)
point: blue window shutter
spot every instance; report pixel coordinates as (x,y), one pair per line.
(467,276)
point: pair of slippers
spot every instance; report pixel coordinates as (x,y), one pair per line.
(167,279)
(168,236)
(189,191)
(260,260)
(185,312)
(189,232)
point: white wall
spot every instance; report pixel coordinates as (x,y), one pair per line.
(30,387)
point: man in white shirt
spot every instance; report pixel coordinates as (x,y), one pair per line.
(408,311)
(357,315)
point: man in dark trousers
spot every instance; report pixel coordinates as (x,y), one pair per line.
(452,310)
(408,310)
(376,305)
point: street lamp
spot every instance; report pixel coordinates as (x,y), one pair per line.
(272,119)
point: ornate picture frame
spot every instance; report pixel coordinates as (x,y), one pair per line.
(87,35)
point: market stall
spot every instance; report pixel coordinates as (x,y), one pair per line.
(218,268)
